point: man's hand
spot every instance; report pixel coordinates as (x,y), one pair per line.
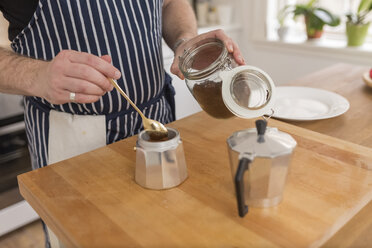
(74,72)
(231,46)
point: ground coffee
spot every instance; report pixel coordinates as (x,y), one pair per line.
(209,96)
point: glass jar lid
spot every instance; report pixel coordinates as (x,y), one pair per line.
(247,91)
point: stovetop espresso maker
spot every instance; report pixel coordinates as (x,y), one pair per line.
(160,164)
(260,159)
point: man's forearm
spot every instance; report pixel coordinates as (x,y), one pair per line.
(179,21)
(18,73)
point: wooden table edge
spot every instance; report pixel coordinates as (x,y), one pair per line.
(45,217)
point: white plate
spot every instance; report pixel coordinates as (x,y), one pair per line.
(305,104)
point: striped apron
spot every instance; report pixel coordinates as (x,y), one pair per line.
(130,32)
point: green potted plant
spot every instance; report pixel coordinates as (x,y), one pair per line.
(315,17)
(356,25)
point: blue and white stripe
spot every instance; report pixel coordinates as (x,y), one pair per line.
(129,31)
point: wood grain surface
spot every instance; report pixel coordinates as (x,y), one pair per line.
(354,126)
(92,200)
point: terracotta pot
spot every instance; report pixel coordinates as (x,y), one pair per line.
(312,33)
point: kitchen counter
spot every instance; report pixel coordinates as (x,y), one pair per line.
(344,79)
(354,126)
(92,199)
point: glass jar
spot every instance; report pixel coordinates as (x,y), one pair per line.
(221,87)
(201,65)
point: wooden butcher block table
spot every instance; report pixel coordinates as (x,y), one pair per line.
(354,126)
(92,200)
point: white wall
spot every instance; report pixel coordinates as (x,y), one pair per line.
(285,64)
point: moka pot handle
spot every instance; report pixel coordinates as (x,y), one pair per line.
(239,185)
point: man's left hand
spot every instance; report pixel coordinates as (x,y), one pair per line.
(231,46)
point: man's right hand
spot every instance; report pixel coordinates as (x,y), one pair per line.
(74,72)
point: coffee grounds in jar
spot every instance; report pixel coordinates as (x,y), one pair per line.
(209,96)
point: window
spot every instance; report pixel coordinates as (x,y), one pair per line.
(338,7)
